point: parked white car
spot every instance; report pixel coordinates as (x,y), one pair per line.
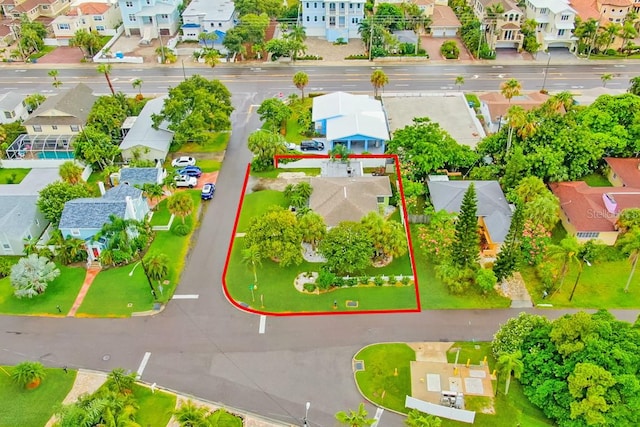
(186,181)
(183,161)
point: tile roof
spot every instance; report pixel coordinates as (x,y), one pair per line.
(443,16)
(585,208)
(30,4)
(499,105)
(616,3)
(586,9)
(139,176)
(75,105)
(627,169)
(89,8)
(491,203)
(347,199)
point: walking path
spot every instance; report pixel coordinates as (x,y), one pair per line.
(92,272)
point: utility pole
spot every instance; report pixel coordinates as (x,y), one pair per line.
(480,35)
(371,38)
(546,71)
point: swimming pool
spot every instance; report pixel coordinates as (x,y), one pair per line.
(55,155)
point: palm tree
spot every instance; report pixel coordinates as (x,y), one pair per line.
(301,80)
(605,78)
(610,32)
(629,243)
(566,252)
(627,32)
(459,82)
(71,172)
(157,266)
(510,364)
(510,88)
(190,415)
(378,79)
(106,70)
(56,83)
(355,418)
(211,57)
(118,381)
(28,374)
(137,84)
(75,248)
(208,37)
(152,192)
(416,418)
(253,256)
(313,228)
(564,98)
(180,204)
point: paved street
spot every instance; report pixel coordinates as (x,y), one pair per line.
(205,346)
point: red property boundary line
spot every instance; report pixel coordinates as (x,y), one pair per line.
(315,313)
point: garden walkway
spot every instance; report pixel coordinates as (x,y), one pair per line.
(92,272)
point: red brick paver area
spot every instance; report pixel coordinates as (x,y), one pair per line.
(92,272)
(62,55)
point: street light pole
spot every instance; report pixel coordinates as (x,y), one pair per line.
(306,413)
(546,71)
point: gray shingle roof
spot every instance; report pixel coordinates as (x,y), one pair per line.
(90,213)
(139,176)
(119,192)
(10,100)
(491,203)
(17,213)
(74,105)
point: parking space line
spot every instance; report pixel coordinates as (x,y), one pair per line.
(187,296)
(263,324)
(143,364)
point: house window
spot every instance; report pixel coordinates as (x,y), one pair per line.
(148,2)
(164,16)
(45,6)
(64,27)
(308,19)
(75,128)
(544,11)
(128,4)
(219,24)
(359,5)
(307,5)
(54,127)
(564,18)
(341,5)
(132,17)
(350,5)
(315,19)
(100,28)
(380,199)
(322,18)
(97,17)
(37,128)
(315,5)
(6,246)
(7,114)
(332,21)
(37,221)
(561,32)
(587,234)
(75,232)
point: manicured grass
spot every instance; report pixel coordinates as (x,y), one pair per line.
(161,214)
(208,165)
(273,173)
(114,293)
(294,130)
(61,292)
(26,408)
(472,98)
(256,203)
(223,418)
(473,351)
(380,363)
(596,180)
(601,285)
(13,175)
(154,409)
(276,286)
(42,52)
(215,143)
(434,293)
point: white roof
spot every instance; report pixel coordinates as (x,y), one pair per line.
(554,6)
(338,104)
(210,10)
(10,100)
(142,132)
(371,125)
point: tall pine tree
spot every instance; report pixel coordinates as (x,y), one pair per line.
(466,245)
(510,254)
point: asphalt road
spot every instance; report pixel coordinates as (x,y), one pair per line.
(208,348)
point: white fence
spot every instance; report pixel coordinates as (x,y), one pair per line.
(32,164)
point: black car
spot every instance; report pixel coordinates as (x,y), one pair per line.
(311,145)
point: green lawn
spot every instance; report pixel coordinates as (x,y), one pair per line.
(209,165)
(601,285)
(380,363)
(42,52)
(154,408)
(61,292)
(161,214)
(275,286)
(434,294)
(472,98)
(596,180)
(32,408)
(216,142)
(255,204)
(294,130)
(273,173)
(12,176)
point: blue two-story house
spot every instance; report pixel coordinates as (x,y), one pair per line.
(333,20)
(84,218)
(150,18)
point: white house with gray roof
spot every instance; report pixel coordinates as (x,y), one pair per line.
(208,16)
(84,218)
(493,210)
(143,140)
(12,108)
(357,121)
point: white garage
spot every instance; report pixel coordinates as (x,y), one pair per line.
(444,23)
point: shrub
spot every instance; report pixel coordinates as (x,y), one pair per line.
(351,281)
(325,279)
(180,229)
(309,287)
(338,282)
(378,281)
(486,280)
(309,58)
(28,374)
(406,280)
(610,52)
(340,41)
(457,280)
(450,50)
(5,267)
(364,280)
(357,56)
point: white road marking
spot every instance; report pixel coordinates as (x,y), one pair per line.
(349,85)
(186,296)
(401,85)
(377,417)
(263,324)
(143,364)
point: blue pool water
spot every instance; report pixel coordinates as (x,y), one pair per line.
(55,155)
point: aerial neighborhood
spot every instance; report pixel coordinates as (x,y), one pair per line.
(418,212)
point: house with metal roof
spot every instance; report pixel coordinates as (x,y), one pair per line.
(142,140)
(12,108)
(348,199)
(493,210)
(357,121)
(208,16)
(84,218)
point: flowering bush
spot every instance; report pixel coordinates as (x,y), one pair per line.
(535,238)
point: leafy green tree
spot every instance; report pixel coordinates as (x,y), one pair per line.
(194,109)
(628,219)
(274,113)
(298,195)
(278,236)
(355,418)
(466,244)
(301,80)
(234,42)
(486,280)
(180,204)
(137,83)
(265,145)
(28,374)
(416,418)
(567,252)
(211,57)
(348,248)
(107,116)
(125,238)
(271,8)
(539,204)
(53,197)
(510,253)
(388,237)
(436,237)
(588,384)
(31,276)
(449,49)
(510,364)
(31,39)
(313,228)
(33,101)
(71,172)
(634,85)
(379,80)
(605,78)
(106,70)
(151,191)
(95,148)
(510,337)
(88,42)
